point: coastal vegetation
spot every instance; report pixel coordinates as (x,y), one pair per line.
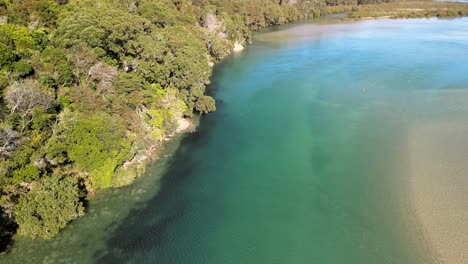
(401,9)
(91,89)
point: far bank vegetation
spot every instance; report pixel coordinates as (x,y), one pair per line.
(363,9)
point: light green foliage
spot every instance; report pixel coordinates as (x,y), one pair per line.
(17,37)
(18,166)
(96,145)
(48,207)
(163,111)
(26,173)
(17,44)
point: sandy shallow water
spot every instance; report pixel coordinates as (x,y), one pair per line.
(439,186)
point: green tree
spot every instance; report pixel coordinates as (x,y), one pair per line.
(24,98)
(205,104)
(95,145)
(48,207)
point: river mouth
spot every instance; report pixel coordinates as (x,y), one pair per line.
(331,144)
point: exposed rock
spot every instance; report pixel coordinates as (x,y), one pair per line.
(238,47)
(184,124)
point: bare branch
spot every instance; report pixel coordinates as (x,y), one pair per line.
(23,96)
(104,74)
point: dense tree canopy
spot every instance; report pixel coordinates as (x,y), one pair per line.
(48,207)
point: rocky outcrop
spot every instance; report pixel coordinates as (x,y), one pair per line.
(238,47)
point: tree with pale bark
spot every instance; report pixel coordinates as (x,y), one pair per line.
(24,96)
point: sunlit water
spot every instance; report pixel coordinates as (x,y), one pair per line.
(305,161)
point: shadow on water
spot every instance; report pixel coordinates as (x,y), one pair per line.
(7,229)
(143,228)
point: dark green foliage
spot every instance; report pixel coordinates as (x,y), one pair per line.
(49,206)
(22,68)
(7,56)
(47,80)
(205,104)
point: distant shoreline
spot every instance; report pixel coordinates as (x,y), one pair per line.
(403,9)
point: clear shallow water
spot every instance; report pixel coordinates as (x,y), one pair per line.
(305,161)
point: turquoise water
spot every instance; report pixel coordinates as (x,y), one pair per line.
(305,160)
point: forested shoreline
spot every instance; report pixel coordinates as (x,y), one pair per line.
(91,88)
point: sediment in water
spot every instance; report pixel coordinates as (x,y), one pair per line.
(439,187)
